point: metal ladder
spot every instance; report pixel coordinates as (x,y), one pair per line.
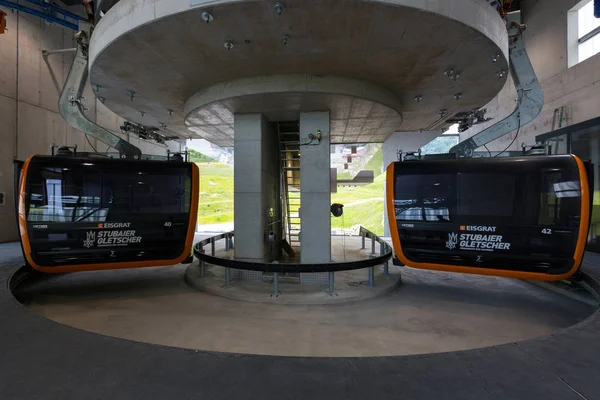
(290,175)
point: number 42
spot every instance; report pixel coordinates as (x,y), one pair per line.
(547,231)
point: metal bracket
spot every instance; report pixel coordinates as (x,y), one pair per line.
(529,103)
(72,110)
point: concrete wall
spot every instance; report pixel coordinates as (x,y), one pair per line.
(574,88)
(29,89)
(256,188)
(405,141)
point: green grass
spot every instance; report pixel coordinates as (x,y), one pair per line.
(344,176)
(369,212)
(216,193)
(346,195)
(369,215)
(216,199)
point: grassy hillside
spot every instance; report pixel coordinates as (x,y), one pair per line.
(375,164)
(362,205)
(197,157)
(216,193)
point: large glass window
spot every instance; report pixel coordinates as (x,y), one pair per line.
(588,32)
(584,32)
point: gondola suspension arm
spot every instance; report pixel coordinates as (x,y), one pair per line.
(529,102)
(72,110)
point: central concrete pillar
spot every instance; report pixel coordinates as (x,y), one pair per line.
(315,188)
(256,189)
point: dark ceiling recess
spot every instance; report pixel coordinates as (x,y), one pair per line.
(514,5)
(84,8)
(99,5)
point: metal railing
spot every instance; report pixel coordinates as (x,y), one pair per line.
(383,258)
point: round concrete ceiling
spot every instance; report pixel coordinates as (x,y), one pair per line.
(149,57)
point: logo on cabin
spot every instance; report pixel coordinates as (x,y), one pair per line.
(478,228)
(113,225)
(90,239)
(452,240)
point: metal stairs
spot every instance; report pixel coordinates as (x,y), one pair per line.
(290,175)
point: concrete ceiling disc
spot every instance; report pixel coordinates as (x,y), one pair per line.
(164,52)
(360,111)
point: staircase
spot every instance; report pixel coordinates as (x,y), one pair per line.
(289,140)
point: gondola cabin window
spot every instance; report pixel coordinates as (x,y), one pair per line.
(82,195)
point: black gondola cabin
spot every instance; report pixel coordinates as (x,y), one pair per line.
(92,213)
(522,217)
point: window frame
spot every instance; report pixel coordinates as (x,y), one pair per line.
(573,39)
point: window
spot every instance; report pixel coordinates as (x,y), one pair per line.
(519,196)
(90,195)
(485,194)
(61,195)
(424,197)
(583,32)
(559,198)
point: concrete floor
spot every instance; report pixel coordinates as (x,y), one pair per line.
(429,312)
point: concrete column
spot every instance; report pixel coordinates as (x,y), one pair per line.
(315,187)
(256,188)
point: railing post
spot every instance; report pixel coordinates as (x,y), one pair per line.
(371,276)
(202,264)
(275,284)
(227,241)
(212,246)
(230,241)
(227,276)
(386,267)
(362,234)
(372,245)
(331,282)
